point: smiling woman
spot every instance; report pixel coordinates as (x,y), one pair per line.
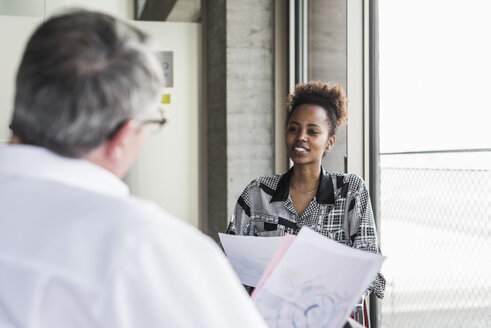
(307,135)
(333,204)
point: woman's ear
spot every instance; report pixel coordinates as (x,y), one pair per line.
(330,143)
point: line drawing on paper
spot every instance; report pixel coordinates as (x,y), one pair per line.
(310,305)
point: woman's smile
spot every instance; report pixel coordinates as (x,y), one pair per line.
(307,134)
(300,149)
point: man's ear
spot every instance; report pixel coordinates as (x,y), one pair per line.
(117,145)
(330,143)
(14,140)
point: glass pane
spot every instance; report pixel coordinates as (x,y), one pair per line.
(435,164)
(435,74)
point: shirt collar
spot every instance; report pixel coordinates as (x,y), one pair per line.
(38,163)
(324,195)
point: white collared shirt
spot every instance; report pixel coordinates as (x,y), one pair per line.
(76,250)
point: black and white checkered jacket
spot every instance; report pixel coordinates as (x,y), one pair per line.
(340,210)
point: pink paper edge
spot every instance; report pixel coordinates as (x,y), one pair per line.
(285,244)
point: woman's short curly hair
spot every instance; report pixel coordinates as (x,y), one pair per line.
(330,97)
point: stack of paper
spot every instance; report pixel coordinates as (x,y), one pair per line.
(305,281)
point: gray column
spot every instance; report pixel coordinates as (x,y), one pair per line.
(239,102)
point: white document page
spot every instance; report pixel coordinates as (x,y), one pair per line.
(317,283)
(249,255)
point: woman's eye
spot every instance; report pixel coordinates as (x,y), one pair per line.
(292,129)
(313,132)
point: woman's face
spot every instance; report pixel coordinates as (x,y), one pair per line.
(307,134)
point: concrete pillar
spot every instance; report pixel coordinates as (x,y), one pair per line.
(239,103)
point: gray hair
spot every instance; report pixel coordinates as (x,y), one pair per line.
(83,74)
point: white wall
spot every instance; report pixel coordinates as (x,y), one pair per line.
(167,168)
(119,8)
(34,8)
(16,30)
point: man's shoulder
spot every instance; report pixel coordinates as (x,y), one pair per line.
(132,224)
(143,216)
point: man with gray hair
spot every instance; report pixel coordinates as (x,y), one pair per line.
(76,250)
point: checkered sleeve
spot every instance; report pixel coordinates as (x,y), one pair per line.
(366,233)
(240,223)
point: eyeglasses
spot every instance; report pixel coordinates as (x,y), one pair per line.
(158,123)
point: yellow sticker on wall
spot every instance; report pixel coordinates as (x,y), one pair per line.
(165,99)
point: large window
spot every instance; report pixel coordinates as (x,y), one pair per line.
(435,162)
